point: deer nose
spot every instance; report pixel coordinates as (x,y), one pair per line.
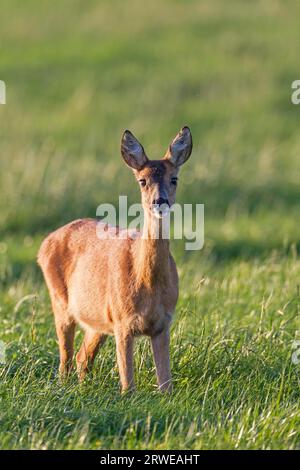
(160,201)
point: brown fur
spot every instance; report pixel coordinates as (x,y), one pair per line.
(113,286)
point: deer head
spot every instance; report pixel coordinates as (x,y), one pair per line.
(157,178)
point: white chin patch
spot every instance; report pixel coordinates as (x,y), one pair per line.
(160,213)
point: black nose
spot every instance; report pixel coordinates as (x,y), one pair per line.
(160,201)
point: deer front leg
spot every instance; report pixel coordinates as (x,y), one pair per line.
(161,353)
(124,344)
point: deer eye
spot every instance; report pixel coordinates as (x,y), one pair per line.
(174,181)
(142,182)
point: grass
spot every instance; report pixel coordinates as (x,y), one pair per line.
(76,76)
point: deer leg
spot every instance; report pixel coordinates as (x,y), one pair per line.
(88,351)
(65,333)
(124,344)
(161,354)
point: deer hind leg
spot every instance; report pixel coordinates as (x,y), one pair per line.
(88,351)
(65,329)
(64,322)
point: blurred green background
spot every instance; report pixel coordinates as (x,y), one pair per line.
(77,74)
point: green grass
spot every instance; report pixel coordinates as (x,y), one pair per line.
(77,74)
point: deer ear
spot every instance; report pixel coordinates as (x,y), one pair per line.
(132,151)
(181,147)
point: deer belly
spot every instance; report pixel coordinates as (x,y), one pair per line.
(87,304)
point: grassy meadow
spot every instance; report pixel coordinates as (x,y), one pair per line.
(79,72)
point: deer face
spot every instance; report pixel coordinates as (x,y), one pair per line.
(157,178)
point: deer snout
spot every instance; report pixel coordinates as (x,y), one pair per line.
(160,207)
(160,201)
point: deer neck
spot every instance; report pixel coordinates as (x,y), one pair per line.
(153,255)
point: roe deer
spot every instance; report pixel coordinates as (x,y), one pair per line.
(124,287)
